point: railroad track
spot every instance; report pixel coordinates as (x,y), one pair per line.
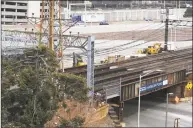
(138,70)
(130,74)
(141,66)
(134,76)
(106,77)
(102,68)
(143,62)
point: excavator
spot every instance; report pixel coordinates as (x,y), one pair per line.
(155,49)
(77,60)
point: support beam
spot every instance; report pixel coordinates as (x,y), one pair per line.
(90,65)
(166,30)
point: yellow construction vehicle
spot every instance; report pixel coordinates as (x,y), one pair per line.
(155,49)
(77,60)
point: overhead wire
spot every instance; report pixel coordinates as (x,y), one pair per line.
(122,49)
(126,48)
(115,47)
(83,53)
(138,39)
(121,33)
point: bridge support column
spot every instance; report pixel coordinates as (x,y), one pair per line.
(178,91)
(121,106)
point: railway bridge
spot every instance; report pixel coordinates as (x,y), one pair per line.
(120,81)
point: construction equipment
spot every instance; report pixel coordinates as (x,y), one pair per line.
(77,60)
(113,59)
(155,49)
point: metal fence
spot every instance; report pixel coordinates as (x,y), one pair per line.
(134,14)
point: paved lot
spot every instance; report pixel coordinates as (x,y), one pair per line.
(153,114)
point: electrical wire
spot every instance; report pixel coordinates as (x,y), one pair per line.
(122,49)
(126,48)
(120,33)
(120,45)
(113,48)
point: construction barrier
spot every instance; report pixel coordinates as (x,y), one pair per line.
(99,114)
(174,99)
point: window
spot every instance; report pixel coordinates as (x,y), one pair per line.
(9,10)
(10,3)
(21,4)
(2,9)
(21,10)
(9,16)
(20,17)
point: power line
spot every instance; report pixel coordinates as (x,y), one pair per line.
(122,49)
(120,33)
(130,42)
(106,49)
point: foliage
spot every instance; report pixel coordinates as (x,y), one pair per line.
(74,123)
(64,105)
(32,88)
(73,86)
(188,12)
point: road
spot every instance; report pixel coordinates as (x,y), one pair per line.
(153,114)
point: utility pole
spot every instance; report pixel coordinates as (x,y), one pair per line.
(42,20)
(166,30)
(90,66)
(60,52)
(51,27)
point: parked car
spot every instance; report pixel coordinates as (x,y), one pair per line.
(103,23)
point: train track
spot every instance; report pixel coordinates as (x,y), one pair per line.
(143,65)
(143,62)
(134,76)
(126,77)
(130,69)
(102,68)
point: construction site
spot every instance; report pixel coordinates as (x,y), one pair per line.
(135,63)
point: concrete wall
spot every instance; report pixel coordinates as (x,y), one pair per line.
(135,14)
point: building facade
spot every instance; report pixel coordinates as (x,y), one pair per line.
(13,12)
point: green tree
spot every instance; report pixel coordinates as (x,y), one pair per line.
(74,123)
(32,87)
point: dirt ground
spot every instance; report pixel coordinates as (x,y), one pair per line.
(77,109)
(181,34)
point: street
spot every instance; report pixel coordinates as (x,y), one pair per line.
(153,113)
